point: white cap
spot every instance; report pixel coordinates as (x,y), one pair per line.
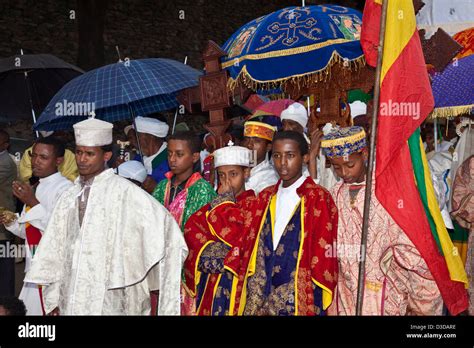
(232,156)
(132,170)
(295,112)
(358,108)
(46,134)
(151,126)
(93,132)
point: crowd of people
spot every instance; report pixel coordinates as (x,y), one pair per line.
(270,224)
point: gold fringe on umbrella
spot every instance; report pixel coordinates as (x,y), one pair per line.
(301,80)
(452,111)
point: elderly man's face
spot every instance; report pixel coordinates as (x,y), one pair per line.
(144,138)
(149,143)
(290,125)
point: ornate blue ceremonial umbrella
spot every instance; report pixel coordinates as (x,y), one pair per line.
(297,44)
(453,89)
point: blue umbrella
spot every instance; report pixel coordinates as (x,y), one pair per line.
(297,44)
(119,91)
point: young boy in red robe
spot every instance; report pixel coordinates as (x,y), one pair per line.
(280,263)
(206,279)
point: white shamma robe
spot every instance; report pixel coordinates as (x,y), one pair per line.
(47,193)
(127,246)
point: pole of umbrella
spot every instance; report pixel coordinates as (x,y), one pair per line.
(447,128)
(370,167)
(118,53)
(132,113)
(308,100)
(34,120)
(176,112)
(174,121)
(435,123)
(30,97)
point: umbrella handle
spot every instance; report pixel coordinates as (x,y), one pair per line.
(31,101)
(29,96)
(176,112)
(174,121)
(132,113)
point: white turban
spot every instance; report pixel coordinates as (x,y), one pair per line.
(232,156)
(358,108)
(93,132)
(151,126)
(295,112)
(132,170)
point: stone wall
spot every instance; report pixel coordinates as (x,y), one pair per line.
(141,28)
(38,27)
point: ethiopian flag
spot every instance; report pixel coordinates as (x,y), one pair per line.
(405,101)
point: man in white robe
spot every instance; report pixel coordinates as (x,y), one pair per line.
(46,156)
(152,134)
(108,245)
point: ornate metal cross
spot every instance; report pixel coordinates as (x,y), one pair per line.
(291,26)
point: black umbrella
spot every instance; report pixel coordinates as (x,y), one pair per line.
(29,81)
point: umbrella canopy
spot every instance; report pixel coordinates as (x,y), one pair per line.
(297,44)
(453,89)
(466,39)
(46,75)
(110,92)
(270,112)
(254,101)
(274,107)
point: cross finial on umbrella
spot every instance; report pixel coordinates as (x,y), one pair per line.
(92,114)
(230,143)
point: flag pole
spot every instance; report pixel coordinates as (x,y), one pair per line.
(370,167)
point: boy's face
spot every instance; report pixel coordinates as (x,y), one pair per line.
(288,160)
(261,146)
(235,176)
(351,168)
(180,156)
